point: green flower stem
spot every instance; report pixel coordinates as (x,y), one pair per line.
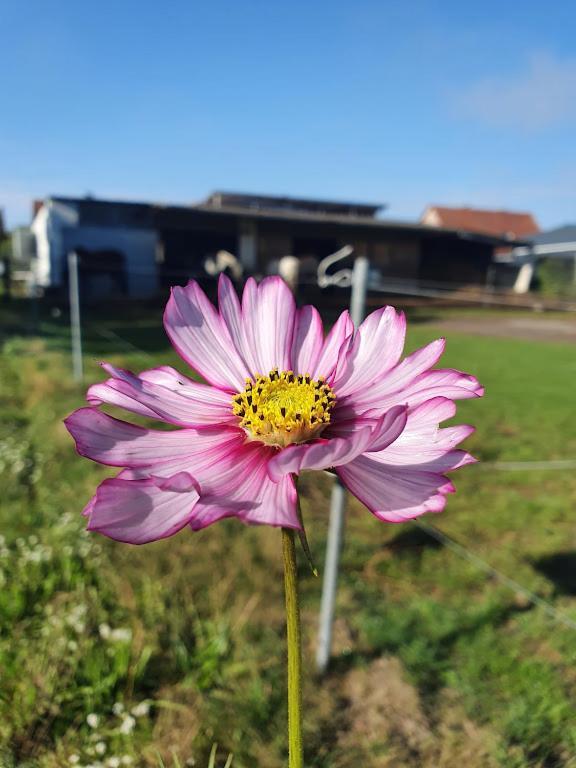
(295,757)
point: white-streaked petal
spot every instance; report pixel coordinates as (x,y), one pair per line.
(233,483)
(395,385)
(308,340)
(376,348)
(140,511)
(268,312)
(329,356)
(107,440)
(164,394)
(395,494)
(201,338)
(231,312)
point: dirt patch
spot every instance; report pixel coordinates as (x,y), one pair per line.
(177,726)
(387,726)
(530,328)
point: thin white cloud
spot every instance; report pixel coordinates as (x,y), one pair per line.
(543,94)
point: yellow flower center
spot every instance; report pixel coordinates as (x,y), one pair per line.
(282,408)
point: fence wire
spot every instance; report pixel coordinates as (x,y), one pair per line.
(459,549)
(440,536)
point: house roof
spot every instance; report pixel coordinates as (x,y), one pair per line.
(508,224)
(130,214)
(349,221)
(565,234)
(557,243)
(221,199)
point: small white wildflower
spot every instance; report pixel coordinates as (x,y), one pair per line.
(74,759)
(118,708)
(127,760)
(142,709)
(127,725)
(104,631)
(113,762)
(93,720)
(121,635)
(72,645)
(100,748)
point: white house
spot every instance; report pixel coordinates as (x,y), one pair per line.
(552,256)
(62,225)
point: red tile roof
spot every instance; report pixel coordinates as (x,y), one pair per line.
(500,223)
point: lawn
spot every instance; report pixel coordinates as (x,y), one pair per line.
(112,655)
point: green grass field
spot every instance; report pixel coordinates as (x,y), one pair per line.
(112,655)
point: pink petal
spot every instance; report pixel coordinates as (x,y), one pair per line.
(336,451)
(422,442)
(399,378)
(107,440)
(108,392)
(231,312)
(329,356)
(87,511)
(139,511)
(436,456)
(308,341)
(201,338)
(446,383)
(268,312)
(463,384)
(234,482)
(163,393)
(395,494)
(376,348)
(244,489)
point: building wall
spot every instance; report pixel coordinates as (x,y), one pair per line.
(461,262)
(47,228)
(57,231)
(431,218)
(138,246)
(272,246)
(395,259)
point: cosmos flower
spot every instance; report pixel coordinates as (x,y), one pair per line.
(280,398)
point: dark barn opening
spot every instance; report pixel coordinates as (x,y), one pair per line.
(458,261)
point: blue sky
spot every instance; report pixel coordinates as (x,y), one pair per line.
(406,103)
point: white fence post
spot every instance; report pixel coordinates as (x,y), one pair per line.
(338,499)
(75,329)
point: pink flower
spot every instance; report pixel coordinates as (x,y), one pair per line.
(280,398)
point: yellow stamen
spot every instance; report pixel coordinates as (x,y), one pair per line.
(283,408)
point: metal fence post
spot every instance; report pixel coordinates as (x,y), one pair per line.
(359,288)
(338,499)
(75,329)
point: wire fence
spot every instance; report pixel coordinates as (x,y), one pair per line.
(448,542)
(159,277)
